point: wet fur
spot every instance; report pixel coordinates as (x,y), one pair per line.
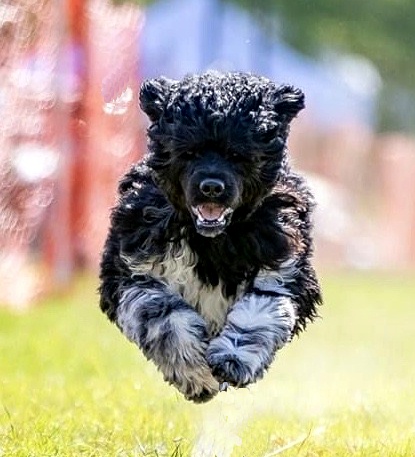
(212,307)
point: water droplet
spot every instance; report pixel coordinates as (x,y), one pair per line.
(120,105)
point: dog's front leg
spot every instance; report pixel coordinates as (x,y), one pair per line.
(171,334)
(259,323)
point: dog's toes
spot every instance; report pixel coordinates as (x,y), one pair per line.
(202,393)
(201,397)
(198,385)
(230,369)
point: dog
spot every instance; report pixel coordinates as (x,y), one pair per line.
(207,263)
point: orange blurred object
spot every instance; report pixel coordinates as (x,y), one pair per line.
(69,82)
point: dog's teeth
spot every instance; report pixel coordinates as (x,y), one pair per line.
(206,222)
(200,218)
(225,213)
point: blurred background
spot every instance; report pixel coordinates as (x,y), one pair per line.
(70,123)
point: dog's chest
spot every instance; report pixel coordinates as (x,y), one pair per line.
(177,270)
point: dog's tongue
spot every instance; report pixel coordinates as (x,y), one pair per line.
(210,211)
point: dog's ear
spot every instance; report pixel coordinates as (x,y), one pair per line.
(153,97)
(288,101)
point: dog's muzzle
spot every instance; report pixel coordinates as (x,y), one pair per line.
(212,195)
(211,218)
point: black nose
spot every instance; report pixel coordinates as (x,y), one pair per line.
(212,187)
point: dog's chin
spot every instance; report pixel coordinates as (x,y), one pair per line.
(211,219)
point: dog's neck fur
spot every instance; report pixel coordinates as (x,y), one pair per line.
(260,238)
(177,269)
(208,272)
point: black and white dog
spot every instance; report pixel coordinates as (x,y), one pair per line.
(207,263)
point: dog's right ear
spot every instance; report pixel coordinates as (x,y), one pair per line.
(153,97)
(288,101)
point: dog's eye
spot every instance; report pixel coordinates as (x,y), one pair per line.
(189,153)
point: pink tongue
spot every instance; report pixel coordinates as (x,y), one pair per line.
(210,211)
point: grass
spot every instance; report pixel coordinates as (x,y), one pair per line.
(71,385)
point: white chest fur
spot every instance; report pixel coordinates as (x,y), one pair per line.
(177,271)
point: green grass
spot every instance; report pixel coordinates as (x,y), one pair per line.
(72,385)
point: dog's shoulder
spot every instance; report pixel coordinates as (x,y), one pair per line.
(140,200)
(142,216)
(137,179)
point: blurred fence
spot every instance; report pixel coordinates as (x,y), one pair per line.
(70,127)
(29,138)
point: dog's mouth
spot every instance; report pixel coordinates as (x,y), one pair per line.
(211,218)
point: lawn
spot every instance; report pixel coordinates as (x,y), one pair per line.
(72,385)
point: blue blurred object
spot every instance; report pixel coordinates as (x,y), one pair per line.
(181,37)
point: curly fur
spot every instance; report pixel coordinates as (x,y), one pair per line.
(207,262)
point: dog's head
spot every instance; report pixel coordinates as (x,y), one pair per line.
(217,142)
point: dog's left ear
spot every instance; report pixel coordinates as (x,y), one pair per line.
(153,97)
(288,101)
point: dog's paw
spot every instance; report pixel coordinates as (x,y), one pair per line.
(196,383)
(229,368)
(201,396)
(200,385)
(238,370)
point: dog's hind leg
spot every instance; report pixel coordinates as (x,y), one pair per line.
(170,333)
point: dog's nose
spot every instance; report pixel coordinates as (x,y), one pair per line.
(212,187)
